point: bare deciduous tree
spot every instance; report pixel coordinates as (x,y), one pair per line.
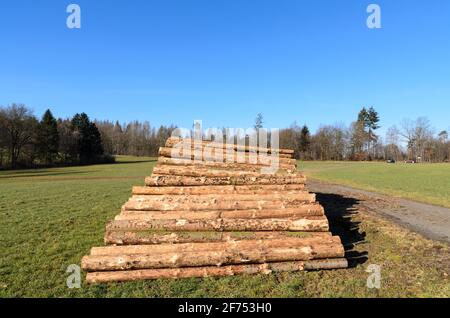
(417,134)
(19,126)
(135,138)
(392,148)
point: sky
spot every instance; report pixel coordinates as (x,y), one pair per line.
(224,61)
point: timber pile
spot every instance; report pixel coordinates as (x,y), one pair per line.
(199,218)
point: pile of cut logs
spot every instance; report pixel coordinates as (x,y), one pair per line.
(199,217)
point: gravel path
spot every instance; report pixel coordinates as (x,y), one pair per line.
(429,220)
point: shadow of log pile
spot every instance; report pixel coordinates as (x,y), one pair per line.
(198,216)
(340,210)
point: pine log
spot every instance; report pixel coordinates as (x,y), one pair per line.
(213,271)
(220,165)
(287,242)
(331,263)
(167,215)
(299,196)
(251,158)
(232,256)
(208,215)
(173,141)
(161,237)
(193,171)
(197,204)
(308,224)
(227,189)
(218,153)
(158,180)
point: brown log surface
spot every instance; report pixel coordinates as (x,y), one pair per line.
(201,204)
(299,196)
(214,271)
(226,189)
(212,246)
(259,252)
(237,214)
(311,223)
(174,141)
(224,156)
(119,237)
(221,165)
(166,180)
(193,171)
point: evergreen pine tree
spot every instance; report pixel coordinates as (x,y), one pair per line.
(48,138)
(305,141)
(89,138)
(367,121)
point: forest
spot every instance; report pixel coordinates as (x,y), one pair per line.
(29,142)
(412,141)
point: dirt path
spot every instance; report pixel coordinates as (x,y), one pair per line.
(429,220)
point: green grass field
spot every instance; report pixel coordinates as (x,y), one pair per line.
(429,183)
(50,218)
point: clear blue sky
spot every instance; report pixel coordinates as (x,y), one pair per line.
(223,61)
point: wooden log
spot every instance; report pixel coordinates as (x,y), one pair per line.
(220,165)
(174,141)
(267,214)
(167,215)
(213,271)
(158,180)
(232,256)
(198,204)
(287,242)
(251,158)
(161,237)
(193,171)
(298,196)
(308,224)
(331,263)
(227,189)
(208,215)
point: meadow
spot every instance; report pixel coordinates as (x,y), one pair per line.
(50,218)
(428,183)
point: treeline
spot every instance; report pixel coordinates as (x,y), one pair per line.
(26,141)
(29,142)
(415,140)
(135,138)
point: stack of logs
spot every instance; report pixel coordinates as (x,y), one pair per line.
(208,218)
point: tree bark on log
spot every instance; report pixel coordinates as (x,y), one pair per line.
(210,215)
(213,271)
(161,237)
(227,189)
(201,204)
(299,196)
(173,141)
(232,256)
(250,158)
(287,242)
(307,224)
(158,180)
(218,165)
(193,171)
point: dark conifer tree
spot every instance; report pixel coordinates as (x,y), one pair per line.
(48,138)
(304,142)
(89,138)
